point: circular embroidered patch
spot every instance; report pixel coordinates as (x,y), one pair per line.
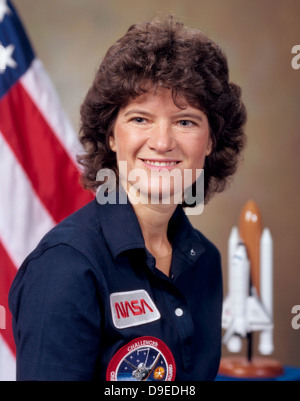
(142,359)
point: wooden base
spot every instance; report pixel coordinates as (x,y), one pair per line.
(258,368)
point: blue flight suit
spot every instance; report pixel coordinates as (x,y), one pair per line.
(89,303)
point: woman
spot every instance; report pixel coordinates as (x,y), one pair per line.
(130,290)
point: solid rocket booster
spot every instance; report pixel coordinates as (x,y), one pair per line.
(250,230)
(239,288)
(232,246)
(266,346)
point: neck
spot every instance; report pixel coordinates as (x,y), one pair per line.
(154,220)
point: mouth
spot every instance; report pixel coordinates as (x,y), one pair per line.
(160,164)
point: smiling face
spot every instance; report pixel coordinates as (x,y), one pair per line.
(152,133)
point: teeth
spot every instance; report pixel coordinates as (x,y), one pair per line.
(160,164)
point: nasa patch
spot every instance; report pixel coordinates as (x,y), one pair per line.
(142,359)
(132,308)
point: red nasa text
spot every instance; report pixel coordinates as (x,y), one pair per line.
(134,307)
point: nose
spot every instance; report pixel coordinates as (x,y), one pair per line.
(161,139)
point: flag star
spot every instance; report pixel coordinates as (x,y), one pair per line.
(4,9)
(6,58)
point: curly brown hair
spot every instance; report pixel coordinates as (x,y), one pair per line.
(169,54)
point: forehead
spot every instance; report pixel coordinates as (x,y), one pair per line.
(161,99)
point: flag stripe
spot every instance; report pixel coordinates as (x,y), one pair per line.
(40,88)
(23,218)
(7,274)
(30,137)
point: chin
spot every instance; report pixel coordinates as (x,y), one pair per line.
(161,195)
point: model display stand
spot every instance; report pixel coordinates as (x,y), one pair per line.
(256,368)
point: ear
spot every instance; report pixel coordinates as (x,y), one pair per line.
(112,143)
(209,147)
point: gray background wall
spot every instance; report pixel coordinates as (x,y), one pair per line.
(71,37)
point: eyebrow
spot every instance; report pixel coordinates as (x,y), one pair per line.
(189,115)
(182,114)
(138,111)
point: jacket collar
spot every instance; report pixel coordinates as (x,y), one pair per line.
(122,231)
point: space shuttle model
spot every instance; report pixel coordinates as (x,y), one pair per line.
(248,306)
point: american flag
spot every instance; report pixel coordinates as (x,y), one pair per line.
(39,178)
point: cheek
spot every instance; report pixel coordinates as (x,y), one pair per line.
(198,152)
(125,150)
(120,151)
(128,145)
(117,142)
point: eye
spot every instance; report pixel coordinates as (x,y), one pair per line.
(139,120)
(186,123)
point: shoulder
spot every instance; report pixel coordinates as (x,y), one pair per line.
(66,254)
(60,270)
(211,258)
(79,233)
(68,231)
(209,246)
(210,266)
